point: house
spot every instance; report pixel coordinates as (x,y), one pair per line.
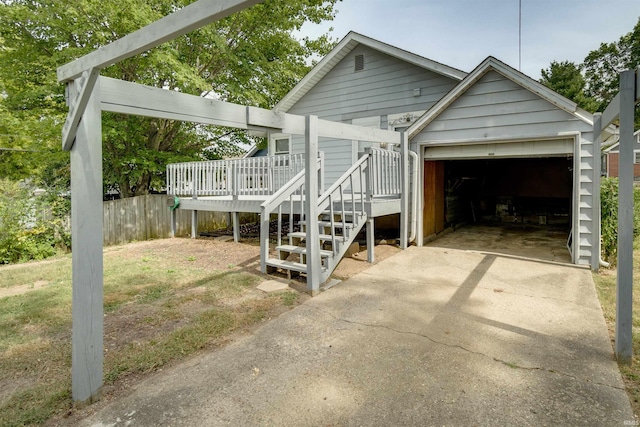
(611,154)
(492,145)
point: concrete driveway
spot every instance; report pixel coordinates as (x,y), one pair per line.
(431,336)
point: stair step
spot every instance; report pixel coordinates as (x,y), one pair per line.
(336,224)
(299,250)
(288,265)
(303,235)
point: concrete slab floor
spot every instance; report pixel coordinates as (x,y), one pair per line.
(431,336)
(540,242)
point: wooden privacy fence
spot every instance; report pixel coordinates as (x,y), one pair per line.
(148,217)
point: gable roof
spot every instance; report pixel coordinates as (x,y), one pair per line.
(342,49)
(508,72)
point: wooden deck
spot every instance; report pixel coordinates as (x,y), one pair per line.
(376,207)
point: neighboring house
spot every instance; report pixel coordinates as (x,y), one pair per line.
(612,153)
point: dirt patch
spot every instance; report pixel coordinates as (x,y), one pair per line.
(349,266)
(22,289)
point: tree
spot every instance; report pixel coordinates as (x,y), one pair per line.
(251,58)
(566,79)
(603,66)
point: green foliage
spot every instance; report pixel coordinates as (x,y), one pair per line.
(566,79)
(251,57)
(609,212)
(603,66)
(31,227)
(595,82)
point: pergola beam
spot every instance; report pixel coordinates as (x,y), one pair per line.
(181,22)
(118,96)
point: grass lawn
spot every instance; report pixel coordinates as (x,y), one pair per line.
(163,301)
(606,287)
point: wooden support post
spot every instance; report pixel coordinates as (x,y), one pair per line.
(404,197)
(236,226)
(264,240)
(311,205)
(87,265)
(624,289)
(420,198)
(597,161)
(194,224)
(370,240)
(173,223)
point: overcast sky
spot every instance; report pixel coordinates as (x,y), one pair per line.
(461,33)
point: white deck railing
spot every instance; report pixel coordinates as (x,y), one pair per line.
(253,176)
(384,177)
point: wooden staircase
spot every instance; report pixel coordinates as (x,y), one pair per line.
(335,237)
(330,222)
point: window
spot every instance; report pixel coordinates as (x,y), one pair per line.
(280,144)
(359,63)
(636,157)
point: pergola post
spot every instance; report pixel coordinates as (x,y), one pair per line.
(311,204)
(624,288)
(86,241)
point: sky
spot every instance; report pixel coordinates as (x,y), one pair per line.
(462,33)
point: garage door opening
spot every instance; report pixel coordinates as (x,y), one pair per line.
(513,194)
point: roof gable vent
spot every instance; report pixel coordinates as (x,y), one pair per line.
(359,63)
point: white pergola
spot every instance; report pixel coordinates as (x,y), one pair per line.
(621,107)
(88,94)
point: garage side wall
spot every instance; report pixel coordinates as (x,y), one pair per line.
(497,110)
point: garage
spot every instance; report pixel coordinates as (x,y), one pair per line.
(502,150)
(535,191)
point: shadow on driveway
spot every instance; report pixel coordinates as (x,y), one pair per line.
(431,336)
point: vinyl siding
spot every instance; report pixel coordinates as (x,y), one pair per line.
(498,108)
(385,87)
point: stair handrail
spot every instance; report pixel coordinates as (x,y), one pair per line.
(274,202)
(323,200)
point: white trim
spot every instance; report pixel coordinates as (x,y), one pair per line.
(342,49)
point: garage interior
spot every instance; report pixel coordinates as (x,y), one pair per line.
(509,193)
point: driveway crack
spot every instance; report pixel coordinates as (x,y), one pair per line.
(465,349)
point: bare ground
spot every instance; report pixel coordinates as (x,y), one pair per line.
(127,325)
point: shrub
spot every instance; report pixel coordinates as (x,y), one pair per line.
(609,212)
(30,227)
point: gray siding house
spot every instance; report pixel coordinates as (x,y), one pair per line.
(493,145)
(367,83)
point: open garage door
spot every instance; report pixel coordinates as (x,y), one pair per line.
(534,191)
(530,195)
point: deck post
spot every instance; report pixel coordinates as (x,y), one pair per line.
(311,205)
(624,289)
(595,232)
(236,226)
(173,223)
(370,240)
(404,197)
(87,263)
(194,224)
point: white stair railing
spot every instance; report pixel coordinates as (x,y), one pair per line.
(291,196)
